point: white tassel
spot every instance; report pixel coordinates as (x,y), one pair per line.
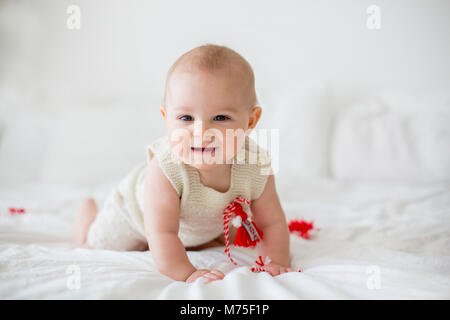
(237,221)
(249,215)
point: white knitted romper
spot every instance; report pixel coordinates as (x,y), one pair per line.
(119,225)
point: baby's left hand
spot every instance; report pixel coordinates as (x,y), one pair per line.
(275,269)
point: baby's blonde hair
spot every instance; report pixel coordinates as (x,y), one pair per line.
(214,58)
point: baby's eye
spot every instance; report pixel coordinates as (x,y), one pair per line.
(221,118)
(186,118)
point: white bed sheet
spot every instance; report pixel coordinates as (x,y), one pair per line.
(375,242)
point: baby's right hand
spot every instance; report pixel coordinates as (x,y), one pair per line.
(207,274)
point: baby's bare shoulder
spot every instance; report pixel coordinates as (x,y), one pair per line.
(161,201)
(156,180)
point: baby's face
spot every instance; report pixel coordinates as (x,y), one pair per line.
(201,109)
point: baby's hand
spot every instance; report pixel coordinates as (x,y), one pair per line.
(275,269)
(206,274)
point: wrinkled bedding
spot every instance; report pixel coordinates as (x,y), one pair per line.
(375,241)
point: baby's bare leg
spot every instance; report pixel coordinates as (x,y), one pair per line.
(84,217)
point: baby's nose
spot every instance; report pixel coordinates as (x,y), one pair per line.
(203,134)
(199,128)
(202,131)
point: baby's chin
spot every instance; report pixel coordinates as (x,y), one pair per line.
(205,164)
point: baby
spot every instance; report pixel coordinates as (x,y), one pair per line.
(173,202)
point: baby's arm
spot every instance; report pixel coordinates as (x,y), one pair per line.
(161,223)
(269,217)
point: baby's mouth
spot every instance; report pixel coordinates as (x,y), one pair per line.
(203,149)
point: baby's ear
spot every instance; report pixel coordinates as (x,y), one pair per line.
(163,111)
(254,116)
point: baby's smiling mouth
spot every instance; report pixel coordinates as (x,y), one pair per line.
(203,149)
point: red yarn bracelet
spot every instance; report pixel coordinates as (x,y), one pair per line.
(248,234)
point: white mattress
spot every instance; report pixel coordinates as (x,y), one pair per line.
(375,242)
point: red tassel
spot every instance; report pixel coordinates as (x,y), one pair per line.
(243,238)
(246,231)
(13,210)
(301,227)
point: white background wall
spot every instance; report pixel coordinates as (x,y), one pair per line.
(124,48)
(105,81)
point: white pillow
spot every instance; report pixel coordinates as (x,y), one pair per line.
(25,137)
(99,145)
(303,116)
(396,137)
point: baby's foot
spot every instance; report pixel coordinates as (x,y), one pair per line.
(84,217)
